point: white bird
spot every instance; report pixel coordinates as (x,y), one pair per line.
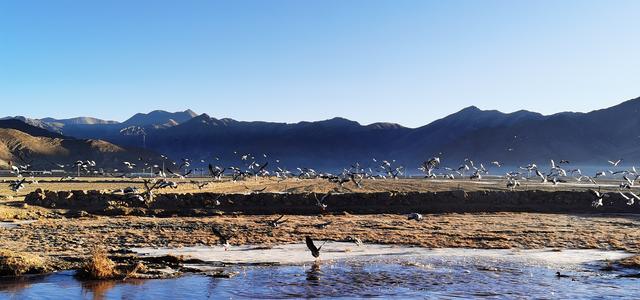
(415,216)
(636,197)
(629,200)
(512,184)
(539,174)
(615,163)
(598,202)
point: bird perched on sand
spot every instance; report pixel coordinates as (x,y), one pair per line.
(315,251)
(415,216)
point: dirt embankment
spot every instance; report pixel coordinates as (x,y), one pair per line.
(457,201)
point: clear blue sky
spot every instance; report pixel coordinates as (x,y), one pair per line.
(408,62)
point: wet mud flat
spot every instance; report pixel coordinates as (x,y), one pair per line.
(66,243)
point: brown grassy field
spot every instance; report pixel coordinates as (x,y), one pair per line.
(292,185)
(61,241)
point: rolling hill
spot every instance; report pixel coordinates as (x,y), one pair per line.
(47,149)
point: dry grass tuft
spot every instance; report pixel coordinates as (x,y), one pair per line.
(100,266)
(138,268)
(630,262)
(16,264)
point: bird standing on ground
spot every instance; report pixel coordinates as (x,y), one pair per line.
(415,216)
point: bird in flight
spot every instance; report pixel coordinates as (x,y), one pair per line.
(224,239)
(615,163)
(315,251)
(320,202)
(598,202)
(277,222)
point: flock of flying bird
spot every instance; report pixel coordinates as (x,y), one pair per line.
(251,167)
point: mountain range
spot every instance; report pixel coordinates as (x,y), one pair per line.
(22,143)
(482,135)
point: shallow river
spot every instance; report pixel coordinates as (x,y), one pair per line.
(417,273)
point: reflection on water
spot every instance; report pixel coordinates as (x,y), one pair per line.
(314,272)
(400,277)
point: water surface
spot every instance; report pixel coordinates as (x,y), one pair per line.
(444,274)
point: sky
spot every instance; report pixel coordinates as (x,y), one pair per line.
(408,62)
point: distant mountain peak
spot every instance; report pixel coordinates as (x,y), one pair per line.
(191,113)
(385,125)
(471,108)
(159,117)
(203,116)
(338,121)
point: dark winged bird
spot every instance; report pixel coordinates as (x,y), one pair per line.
(179,175)
(315,251)
(277,222)
(216,172)
(320,202)
(200,185)
(255,191)
(224,239)
(323,225)
(17,185)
